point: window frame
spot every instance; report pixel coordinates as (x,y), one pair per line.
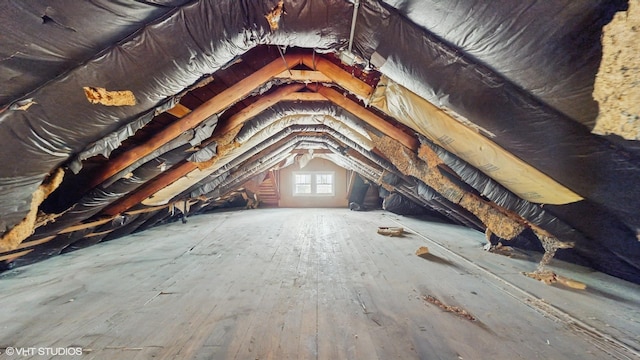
(314,183)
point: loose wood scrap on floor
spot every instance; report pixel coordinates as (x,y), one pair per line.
(549,277)
(448,308)
(390,231)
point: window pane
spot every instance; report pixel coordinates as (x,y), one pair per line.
(303,179)
(325,179)
(324,184)
(324,189)
(303,189)
(313,183)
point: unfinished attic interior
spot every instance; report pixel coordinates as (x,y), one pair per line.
(329,179)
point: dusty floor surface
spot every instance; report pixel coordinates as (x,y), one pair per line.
(311,284)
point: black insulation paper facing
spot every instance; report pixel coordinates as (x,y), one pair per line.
(522,123)
(168,54)
(524,71)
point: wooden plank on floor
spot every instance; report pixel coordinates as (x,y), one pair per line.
(301,283)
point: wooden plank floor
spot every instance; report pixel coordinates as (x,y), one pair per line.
(302,284)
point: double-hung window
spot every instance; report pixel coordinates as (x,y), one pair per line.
(313,183)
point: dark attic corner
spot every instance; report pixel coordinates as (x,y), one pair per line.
(338,179)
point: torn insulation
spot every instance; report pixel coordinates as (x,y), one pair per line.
(97,95)
(12,238)
(617,85)
(273,17)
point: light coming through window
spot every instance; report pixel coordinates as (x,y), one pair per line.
(313,184)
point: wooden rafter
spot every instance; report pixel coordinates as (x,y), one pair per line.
(13,256)
(366,115)
(238,119)
(149,188)
(324,71)
(211,107)
(259,106)
(338,75)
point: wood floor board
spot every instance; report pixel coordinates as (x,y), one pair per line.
(302,284)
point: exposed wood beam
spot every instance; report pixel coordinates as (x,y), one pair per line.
(303,96)
(14,256)
(27,244)
(146,210)
(213,106)
(304,76)
(287,92)
(179,111)
(367,116)
(85,225)
(98,233)
(331,72)
(338,75)
(259,106)
(149,188)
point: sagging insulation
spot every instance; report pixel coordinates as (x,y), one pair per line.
(470,145)
(426,167)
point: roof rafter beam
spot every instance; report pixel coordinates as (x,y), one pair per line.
(211,107)
(338,75)
(367,116)
(149,188)
(288,92)
(277,68)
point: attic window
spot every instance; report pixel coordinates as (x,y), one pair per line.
(313,184)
